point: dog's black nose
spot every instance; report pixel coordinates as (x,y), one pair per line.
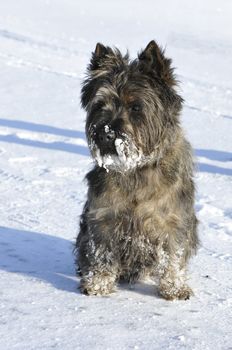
(107,136)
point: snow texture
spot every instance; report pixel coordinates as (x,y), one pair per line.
(45,46)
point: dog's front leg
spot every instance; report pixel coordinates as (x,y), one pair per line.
(98,265)
(172,276)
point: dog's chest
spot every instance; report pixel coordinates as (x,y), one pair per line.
(136,247)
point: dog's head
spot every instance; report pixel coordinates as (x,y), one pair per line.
(132,107)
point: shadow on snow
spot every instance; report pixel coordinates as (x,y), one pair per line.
(213,169)
(38,255)
(22,125)
(41,128)
(221,156)
(56,146)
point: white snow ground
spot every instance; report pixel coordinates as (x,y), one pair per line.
(44,48)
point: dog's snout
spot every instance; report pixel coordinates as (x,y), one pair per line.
(107,137)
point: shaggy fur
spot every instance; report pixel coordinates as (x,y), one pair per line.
(139,216)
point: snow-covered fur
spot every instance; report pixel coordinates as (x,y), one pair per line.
(139,216)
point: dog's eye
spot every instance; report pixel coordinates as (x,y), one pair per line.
(136,108)
(100,106)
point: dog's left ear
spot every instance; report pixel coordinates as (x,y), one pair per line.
(152,59)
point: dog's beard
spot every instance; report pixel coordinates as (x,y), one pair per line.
(127,157)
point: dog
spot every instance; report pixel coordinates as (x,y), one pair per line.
(139,216)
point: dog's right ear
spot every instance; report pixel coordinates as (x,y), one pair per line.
(98,56)
(100,51)
(93,70)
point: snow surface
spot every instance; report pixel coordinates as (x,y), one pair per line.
(45,46)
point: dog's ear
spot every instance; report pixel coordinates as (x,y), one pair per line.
(98,56)
(152,59)
(89,85)
(100,51)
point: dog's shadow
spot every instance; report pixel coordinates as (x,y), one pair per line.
(142,287)
(38,255)
(49,258)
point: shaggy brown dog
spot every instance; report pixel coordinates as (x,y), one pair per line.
(139,216)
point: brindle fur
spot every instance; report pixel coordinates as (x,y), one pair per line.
(140,221)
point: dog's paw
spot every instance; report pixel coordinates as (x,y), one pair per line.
(97,284)
(172,292)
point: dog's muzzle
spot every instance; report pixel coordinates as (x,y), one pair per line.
(105,139)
